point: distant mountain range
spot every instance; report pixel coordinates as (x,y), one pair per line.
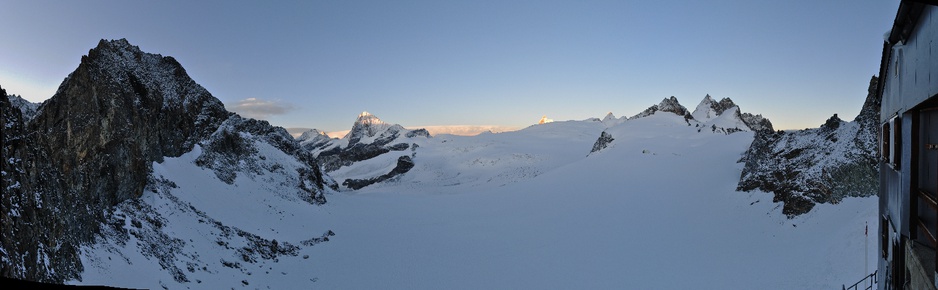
(132,161)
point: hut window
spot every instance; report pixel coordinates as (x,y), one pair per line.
(890,140)
(895,68)
(896,142)
(884,138)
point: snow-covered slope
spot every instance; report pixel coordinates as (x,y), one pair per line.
(196,228)
(187,195)
(659,203)
(448,163)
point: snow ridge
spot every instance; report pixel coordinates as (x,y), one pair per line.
(722,117)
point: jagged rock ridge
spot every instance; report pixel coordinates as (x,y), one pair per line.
(27,109)
(821,165)
(717,117)
(602,142)
(670,105)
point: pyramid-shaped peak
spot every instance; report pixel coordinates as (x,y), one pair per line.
(545,120)
(672,105)
(368,119)
(705,109)
(709,108)
(365,126)
(609,116)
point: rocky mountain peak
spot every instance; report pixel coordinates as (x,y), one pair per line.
(311,134)
(708,108)
(705,109)
(832,123)
(868,118)
(723,105)
(367,118)
(110,119)
(27,108)
(366,126)
(670,105)
(609,117)
(545,120)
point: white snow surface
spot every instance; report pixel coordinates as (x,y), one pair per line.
(729,120)
(450,164)
(529,209)
(704,110)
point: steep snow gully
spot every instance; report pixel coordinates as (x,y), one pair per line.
(646,202)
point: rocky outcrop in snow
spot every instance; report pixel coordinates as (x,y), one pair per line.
(92,146)
(603,141)
(404,164)
(821,165)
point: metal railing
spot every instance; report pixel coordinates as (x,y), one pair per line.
(867,282)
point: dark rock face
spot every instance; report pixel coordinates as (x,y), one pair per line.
(129,107)
(756,123)
(823,165)
(418,133)
(404,164)
(338,157)
(90,147)
(667,105)
(723,105)
(603,141)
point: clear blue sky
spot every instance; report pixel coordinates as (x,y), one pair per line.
(319,63)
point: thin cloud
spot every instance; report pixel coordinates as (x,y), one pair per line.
(260,109)
(466,130)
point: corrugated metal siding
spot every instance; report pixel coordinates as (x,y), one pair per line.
(917,77)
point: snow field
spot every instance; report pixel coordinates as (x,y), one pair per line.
(657,209)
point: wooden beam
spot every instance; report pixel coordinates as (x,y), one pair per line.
(924,228)
(928,199)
